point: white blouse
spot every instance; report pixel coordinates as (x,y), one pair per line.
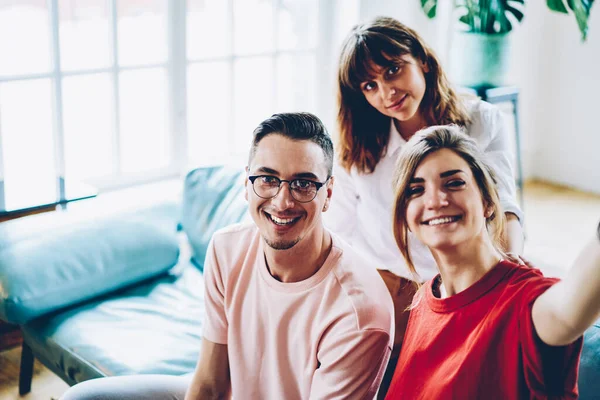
(361,204)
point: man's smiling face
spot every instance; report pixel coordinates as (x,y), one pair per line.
(282,221)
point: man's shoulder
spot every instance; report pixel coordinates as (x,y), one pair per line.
(234,241)
(238,234)
(363,288)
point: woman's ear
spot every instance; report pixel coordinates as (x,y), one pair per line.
(489,213)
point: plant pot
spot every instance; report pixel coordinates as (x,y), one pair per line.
(478,59)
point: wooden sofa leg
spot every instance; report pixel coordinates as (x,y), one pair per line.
(26,370)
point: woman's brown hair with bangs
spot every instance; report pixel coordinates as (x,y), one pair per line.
(363,131)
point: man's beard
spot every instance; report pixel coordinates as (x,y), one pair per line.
(281,245)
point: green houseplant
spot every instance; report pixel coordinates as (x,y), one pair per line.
(479,53)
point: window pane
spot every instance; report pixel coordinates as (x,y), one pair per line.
(253,26)
(24,37)
(84,34)
(88,126)
(209,112)
(144,120)
(296,80)
(27,143)
(208,29)
(296,21)
(253,98)
(142,31)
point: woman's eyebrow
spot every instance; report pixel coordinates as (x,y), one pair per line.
(450,173)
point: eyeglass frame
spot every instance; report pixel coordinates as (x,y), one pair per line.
(318,184)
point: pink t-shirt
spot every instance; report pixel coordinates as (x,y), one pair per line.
(327,337)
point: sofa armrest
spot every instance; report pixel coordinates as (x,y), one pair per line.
(213,197)
(55,261)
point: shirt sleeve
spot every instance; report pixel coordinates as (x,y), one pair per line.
(351,365)
(500,156)
(550,371)
(344,202)
(215,318)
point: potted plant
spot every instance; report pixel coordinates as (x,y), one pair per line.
(479,55)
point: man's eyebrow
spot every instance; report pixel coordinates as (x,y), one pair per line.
(267,170)
(450,173)
(306,175)
(300,175)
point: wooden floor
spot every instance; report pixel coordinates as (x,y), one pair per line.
(45,384)
(558,222)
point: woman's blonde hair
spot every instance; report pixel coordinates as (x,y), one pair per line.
(428,141)
(364,131)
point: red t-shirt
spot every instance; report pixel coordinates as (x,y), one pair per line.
(481,344)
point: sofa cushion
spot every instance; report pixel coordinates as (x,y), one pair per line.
(213,197)
(154,327)
(589,384)
(48,268)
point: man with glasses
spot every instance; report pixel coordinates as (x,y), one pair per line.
(292,312)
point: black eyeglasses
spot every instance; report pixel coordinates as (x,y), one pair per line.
(302,190)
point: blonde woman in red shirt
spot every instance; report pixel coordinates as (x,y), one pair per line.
(484,327)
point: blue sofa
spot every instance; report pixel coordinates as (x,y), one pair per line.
(113,295)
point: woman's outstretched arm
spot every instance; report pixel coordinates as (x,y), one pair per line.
(567,309)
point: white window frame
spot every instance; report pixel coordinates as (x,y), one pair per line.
(176,66)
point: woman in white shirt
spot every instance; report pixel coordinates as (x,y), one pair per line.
(391,85)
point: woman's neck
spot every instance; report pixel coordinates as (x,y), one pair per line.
(462,266)
(408,128)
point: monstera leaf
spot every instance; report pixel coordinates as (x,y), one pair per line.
(581,9)
(430,7)
(498,16)
(490,16)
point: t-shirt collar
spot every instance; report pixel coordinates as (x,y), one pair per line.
(295,287)
(469,295)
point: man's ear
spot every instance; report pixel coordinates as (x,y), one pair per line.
(246,184)
(329,188)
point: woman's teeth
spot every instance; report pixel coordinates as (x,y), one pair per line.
(445,220)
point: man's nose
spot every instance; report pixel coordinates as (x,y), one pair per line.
(283,200)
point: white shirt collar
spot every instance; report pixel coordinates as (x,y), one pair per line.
(395,141)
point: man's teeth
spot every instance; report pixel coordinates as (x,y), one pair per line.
(445,220)
(282,221)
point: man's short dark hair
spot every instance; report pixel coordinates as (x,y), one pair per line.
(296,126)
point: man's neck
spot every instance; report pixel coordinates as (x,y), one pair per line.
(464,265)
(301,261)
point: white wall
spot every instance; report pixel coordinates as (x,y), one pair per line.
(559,79)
(568,146)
